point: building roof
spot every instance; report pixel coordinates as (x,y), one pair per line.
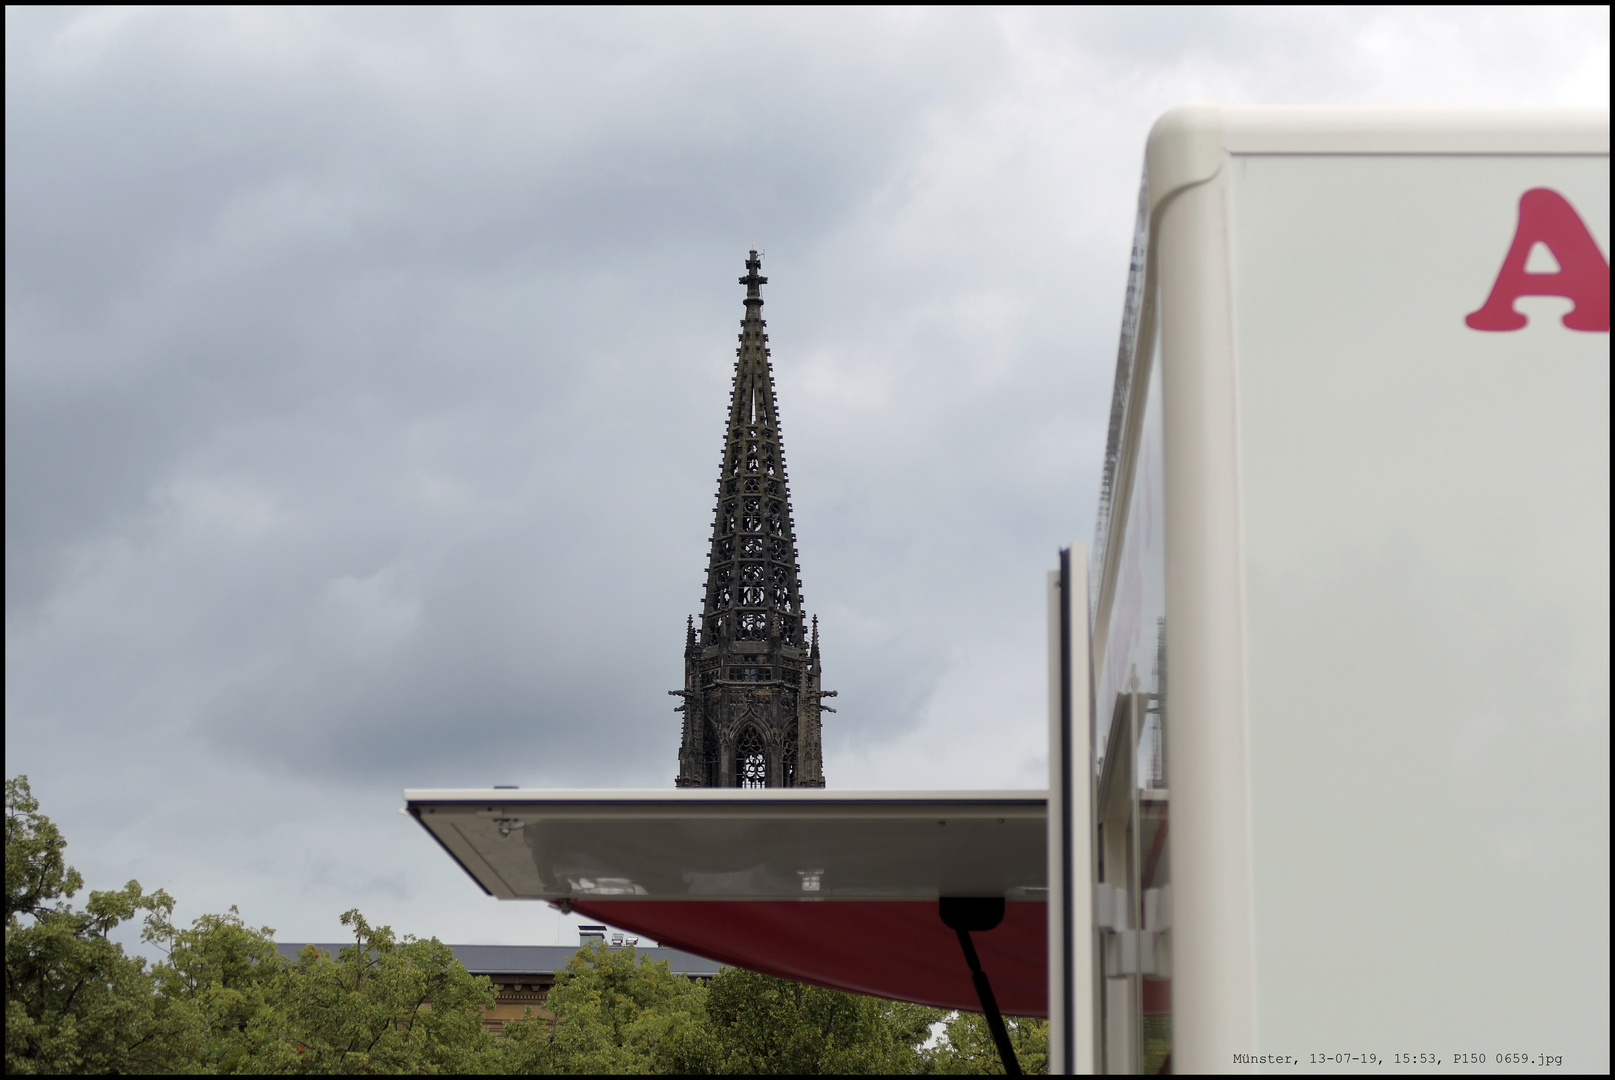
(527,959)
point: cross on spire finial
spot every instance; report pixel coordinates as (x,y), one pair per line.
(752,280)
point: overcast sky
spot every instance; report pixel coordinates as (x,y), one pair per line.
(366,374)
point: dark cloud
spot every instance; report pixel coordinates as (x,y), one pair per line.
(365,373)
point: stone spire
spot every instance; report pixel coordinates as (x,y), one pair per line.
(752,694)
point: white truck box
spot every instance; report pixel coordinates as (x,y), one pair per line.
(1348,772)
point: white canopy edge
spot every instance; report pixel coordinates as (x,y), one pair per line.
(706,843)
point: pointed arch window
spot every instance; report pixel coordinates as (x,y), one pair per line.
(751,761)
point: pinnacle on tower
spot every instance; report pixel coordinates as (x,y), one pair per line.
(751,689)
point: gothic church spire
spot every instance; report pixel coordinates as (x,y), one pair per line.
(751,690)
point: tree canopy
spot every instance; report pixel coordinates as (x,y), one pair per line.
(222,1000)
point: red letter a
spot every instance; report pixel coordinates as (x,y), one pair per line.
(1546,217)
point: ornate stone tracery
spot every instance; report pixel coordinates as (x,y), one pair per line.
(752,697)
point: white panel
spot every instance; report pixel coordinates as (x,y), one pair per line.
(1213,995)
(1426,558)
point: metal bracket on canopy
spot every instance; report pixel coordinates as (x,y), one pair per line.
(963,914)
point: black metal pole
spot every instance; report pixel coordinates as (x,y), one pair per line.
(989,1005)
(1066,914)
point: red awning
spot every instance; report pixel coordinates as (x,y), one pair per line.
(895,949)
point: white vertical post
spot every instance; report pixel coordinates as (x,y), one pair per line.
(1072,1048)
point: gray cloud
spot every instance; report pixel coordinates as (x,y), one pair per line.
(365,373)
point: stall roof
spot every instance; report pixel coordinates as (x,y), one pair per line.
(736,844)
(834,888)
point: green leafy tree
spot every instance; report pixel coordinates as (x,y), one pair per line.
(220,991)
(614,1012)
(222,999)
(232,1004)
(759,1024)
(967,1047)
(74,1001)
(380,1006)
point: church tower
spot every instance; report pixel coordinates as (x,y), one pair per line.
(751,669)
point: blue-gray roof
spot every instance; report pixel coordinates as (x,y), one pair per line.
(527,959)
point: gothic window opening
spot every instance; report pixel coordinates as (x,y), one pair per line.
(752,573)
(752,484)
(753,545)
(776,517)
(751,762)
(751,596)
(751,626)
(788,630)
(726,518)
(726,548)
(788,758)
(752,518)
(751,459)
(776,548)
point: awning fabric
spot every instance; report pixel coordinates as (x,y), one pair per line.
(895,949)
